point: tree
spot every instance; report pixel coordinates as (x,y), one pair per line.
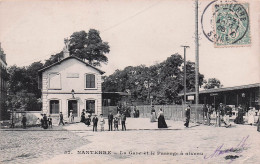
(53,59)
(23,87)
(190,78)
(89,46)
(163,80)
(212,83)
(86,46)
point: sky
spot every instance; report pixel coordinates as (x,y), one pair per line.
(138,32)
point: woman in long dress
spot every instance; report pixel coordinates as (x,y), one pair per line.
(251,118)
(161,120)
(102,122)
(239,119)
(153,115)
(119,117)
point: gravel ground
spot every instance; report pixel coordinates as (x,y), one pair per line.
(143,142)
(34,145)
(150,145)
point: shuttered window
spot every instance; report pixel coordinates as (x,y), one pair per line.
(90,81)
(54,81)
(90,106)
(54,106)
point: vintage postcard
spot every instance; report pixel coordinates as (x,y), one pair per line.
(133,81)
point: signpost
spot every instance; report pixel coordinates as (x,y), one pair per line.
(191,98)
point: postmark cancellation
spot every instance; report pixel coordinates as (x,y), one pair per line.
(231,25)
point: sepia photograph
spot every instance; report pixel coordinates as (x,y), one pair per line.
(129,81)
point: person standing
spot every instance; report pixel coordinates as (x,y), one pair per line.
(116,123)
(251,118)
(24,120)
(110,121)
(221,114)
(137,113)
(45,122)
(228,113)
(38,122)
(123,119)
(258,122)
(88,120)
(50,121)
(209,114)
(161,120)
(187,115)
(153,115)
(133,113)
(83,116)
(239,119)
(41,119)
(205,111)
(71,117)
(61,119)
(95,121)
(119,117)
(102,122)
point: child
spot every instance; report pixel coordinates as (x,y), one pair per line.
(38,122)
(50,121)
(116,123)
(88,120)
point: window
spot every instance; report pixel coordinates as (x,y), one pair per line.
(90,106)
(90,81)
(54,81)
(54,106)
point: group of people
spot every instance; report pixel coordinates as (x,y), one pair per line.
(113,121)
(135,112)
(160,116)
(44,121)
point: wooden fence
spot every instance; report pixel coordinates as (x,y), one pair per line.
(171,112)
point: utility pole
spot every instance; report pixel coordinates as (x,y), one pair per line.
(197,59)
(184,77)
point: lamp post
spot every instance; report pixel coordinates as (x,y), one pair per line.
(72,93)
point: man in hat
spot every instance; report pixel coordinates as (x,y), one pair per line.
(61,119)
(123,119)
(45,121)
(24,120)
(187,114)
(95,122)
(220,114)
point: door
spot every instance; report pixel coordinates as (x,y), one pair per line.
(73,106)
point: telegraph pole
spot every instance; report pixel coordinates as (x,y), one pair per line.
(184,78)
(197,59)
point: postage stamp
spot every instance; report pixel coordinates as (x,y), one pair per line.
(231,25)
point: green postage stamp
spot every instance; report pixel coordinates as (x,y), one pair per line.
(231,25)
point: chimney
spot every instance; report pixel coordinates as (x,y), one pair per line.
(66,52)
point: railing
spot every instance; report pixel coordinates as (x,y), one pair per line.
(171,112)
